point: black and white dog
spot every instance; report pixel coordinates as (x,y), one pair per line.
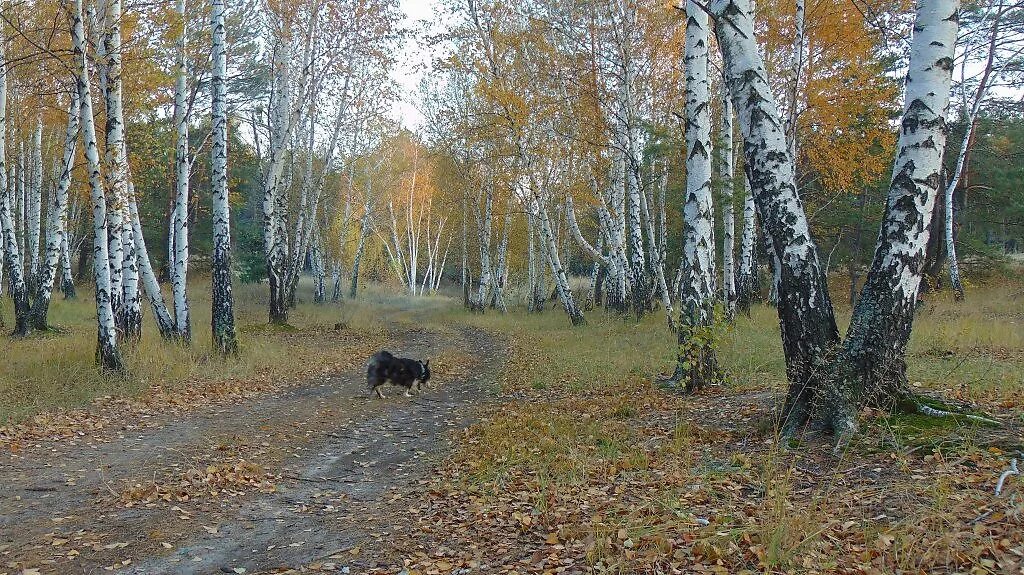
(384,367)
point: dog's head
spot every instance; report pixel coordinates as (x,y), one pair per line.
(424,371)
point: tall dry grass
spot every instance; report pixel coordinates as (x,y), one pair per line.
(57,369)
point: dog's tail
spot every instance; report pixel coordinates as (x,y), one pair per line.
(373,369)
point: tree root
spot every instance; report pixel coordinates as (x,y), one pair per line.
(924,409)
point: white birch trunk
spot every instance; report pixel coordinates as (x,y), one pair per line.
(56,225)
(365,227)
(67,282)
(164,322)
(728,218)
(319,272)
(107,353)
(484,232)
(501,267)
(272,216)
(561,278)
(745,277)
(223,321)
(872,367)
(35,203)
(805,310)
(12,255)
(697,365)
(532,266)
(182,168)
(116,163)
(20,211)
(980,93)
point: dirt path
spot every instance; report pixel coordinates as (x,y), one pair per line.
(308,474)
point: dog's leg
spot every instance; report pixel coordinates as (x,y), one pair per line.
(419,385)
(380,394)
(407,394)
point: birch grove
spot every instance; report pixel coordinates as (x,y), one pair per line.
(57,224)
(565,158)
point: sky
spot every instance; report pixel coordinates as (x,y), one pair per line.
(413,64)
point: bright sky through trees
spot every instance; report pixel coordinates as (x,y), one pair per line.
(413,64)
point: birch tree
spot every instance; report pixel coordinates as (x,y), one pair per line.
(12,255)
(871,368)
(994,59)
(56,225)
(805,310)
(746,276)
(121,251)
(223,315)
(107,353)
(725,175)
(34,199)
(697,364)
(178,266)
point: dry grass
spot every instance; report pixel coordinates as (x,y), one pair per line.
(57,370)
(591,464)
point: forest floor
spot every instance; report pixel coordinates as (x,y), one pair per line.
(295,472)
(540,448)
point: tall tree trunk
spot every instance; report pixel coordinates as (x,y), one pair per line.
(35,203)
(957,184)
(745,279)
(561,278)
(697,364)
(274,242)
(319,273)
(465,249)
(725,167)
(336,282)
(484,219)
(533,270)
(805,310)
(116,163)
(223,316)
(364,230)
(365,225)
(67,283)
(20,210)
(164,322)
(871,368)
(641,286)
(301,242)
(501,268)
(657,255)
(107,353)
(178,264)
(56,225)
(12,255)
(130,273)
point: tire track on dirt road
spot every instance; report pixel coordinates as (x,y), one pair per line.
(342,465)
